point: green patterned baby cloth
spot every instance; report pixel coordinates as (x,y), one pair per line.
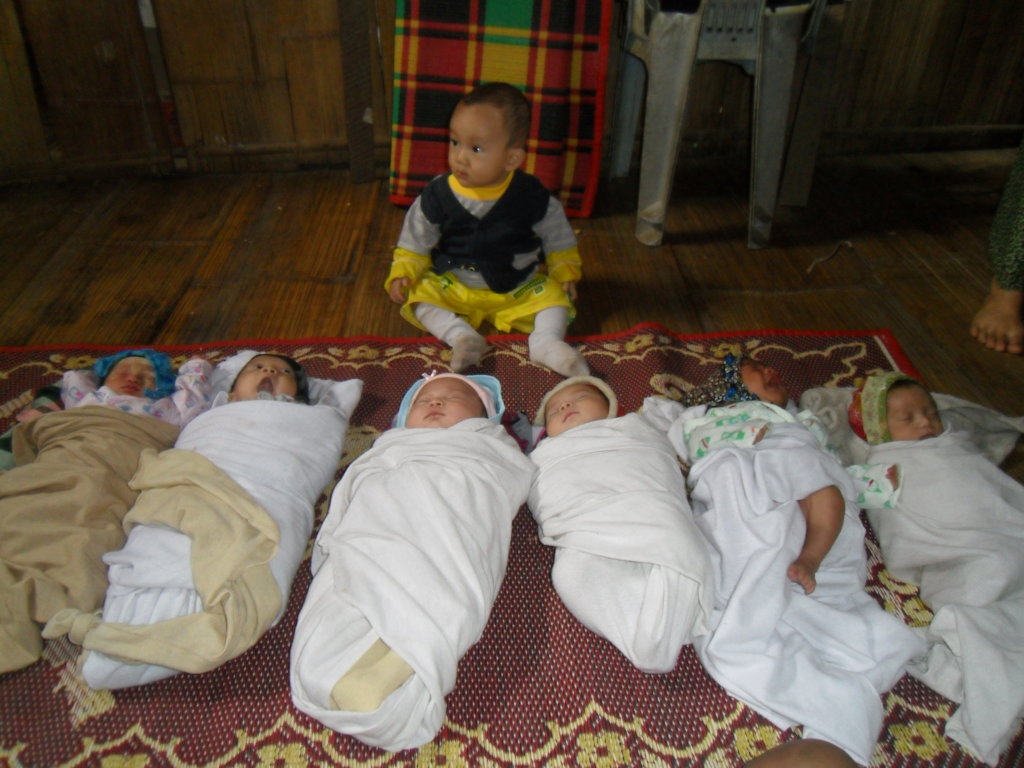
(737,425)
(878,485)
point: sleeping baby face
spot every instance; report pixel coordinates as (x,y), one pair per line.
(131,376)
(911,413)
(574,405)
(444,402)
(264,374)
(763,381)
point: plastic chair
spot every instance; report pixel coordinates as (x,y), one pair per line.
(764,38)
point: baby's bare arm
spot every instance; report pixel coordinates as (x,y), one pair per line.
(823,510)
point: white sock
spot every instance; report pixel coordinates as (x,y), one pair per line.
(467,345)
(548,347)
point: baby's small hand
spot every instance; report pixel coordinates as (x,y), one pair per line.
(31,414)
(570,290)
(399,289)
(803,574)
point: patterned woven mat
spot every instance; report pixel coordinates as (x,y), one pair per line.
(556,51)
(538,689)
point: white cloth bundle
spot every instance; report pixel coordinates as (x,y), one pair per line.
(821,660)
(412,552)
(282,455)
(630,563)
(958,533)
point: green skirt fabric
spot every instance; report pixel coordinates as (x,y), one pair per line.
(1006,239)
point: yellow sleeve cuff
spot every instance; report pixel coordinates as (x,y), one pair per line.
(407,264)
(565,266)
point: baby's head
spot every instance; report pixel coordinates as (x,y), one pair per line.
(488,132)
(575,401)
(270,377)
(441,400)
(136,373)
(739,379)
(252,375)
(893,406)
(763,381)
(911,412)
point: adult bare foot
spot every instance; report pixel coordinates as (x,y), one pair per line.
(998,323)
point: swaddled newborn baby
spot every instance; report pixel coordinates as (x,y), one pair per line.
(408,563)
(220,526)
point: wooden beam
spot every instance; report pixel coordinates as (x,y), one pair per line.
(356,55)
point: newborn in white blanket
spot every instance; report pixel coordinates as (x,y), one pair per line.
(630,563)
(220,526)
(408,563)
(957,531)
(820,659)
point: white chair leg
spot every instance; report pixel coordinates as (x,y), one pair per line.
(672,53)
(773,83)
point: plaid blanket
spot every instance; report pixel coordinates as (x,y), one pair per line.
(555,51)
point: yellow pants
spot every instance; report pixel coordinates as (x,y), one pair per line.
(514,310)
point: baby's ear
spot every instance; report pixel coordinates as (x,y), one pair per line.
(514,158)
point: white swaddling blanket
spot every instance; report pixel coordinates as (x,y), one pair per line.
(958,533)
(821,660)
(630,563)
(284,455)
(412,552)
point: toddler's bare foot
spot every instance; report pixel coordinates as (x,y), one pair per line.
(467,351)
(803,574)
(998,323)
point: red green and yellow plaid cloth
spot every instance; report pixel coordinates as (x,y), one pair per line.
(555,51)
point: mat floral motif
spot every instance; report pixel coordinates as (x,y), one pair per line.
(538,689)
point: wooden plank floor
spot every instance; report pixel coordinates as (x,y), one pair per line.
(290,255)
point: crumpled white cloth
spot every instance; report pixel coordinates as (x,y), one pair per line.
(412,552)
(630,563)
(283,455)
(958,533)
(820,660)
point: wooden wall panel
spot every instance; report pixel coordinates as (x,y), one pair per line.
(98,90)
(261,79)
(986,82)
(911,76)
(928,74)
(316,93)
(383,74)
(260,83)
(22,140)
